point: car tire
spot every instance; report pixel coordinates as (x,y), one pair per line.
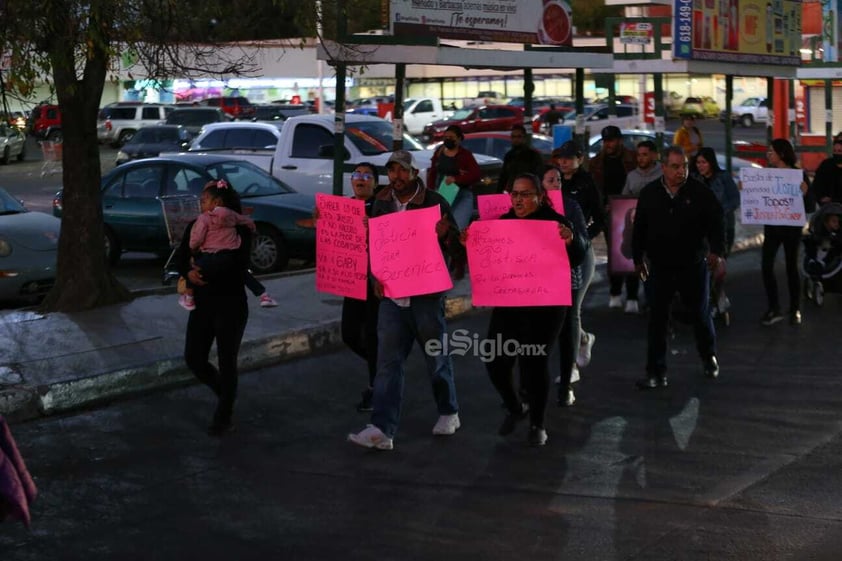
(125,136)
(112,247)
(746,121)
(6,157)
(268,251)
(22,153)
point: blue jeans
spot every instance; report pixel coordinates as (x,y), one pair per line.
(463,208)
(397,329)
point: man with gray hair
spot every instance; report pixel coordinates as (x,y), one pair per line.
(678,238)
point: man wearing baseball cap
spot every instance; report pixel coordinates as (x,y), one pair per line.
(609,169)
(417,318)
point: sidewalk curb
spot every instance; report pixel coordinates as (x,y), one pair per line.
(27,402)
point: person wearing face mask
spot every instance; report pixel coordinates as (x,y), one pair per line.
(529,325)
(452,164)
(827,185)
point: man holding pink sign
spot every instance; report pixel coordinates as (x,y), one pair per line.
(412,240)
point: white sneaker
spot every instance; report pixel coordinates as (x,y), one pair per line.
(371,437)
(615,301)
(574,377)
(447,425)
(631,307)
(585,347)
(267,301)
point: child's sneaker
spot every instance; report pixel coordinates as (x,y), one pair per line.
(267,301)
(186,302)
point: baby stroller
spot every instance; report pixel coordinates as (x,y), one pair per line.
(822,262)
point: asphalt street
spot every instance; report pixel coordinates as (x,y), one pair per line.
(746,467)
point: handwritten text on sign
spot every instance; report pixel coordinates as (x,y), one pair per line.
(518,263)
(405,253)
(341,256)
(772,196)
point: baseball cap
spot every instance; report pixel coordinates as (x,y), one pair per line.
(567,150)
(611,132)
(402,157)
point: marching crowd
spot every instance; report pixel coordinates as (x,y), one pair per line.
(680,231)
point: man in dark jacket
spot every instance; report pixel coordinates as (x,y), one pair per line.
(827,186)
(678,237)
(521,158)
(609,169)
(417,318)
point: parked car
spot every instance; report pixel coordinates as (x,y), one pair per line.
(619,99)
(134,218)
(16,119)
(118,122)
(28,250)
(700,107)
(238,135)
(750,111)
(476,119)
(45,122)
(12,144)
(194,118)
(238,107)
(275,112)
(498,143)
(148,142)
(599,116)
(631,137)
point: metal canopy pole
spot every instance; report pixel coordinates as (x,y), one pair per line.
(397,110)
(729,94)
(579,135)
(339,117)
(660,118)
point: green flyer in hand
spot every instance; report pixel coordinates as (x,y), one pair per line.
(448,191)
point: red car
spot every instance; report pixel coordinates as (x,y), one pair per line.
(238,107)
(476,119)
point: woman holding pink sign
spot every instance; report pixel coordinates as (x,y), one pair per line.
(531,327)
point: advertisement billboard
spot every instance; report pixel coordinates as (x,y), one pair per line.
(508,21)
(749,31)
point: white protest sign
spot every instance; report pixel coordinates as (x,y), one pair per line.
(772,196)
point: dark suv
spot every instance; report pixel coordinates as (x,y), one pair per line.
(238,107)
(476,119)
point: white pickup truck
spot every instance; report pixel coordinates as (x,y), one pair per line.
(420,111)
(303,155)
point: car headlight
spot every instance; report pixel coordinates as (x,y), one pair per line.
(5,248)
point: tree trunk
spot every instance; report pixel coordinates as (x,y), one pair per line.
(84,279)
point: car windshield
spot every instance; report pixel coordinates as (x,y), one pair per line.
(154,135)
(463,113)
(375,137)
(9,205)
(248,179)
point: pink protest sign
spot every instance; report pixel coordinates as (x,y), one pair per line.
(518,263)
(555,197)
(622,225)
(405,253)
(341,256)
(492,207)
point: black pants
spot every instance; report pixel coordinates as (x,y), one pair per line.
(535,326)
(225,322)
(631,281)
(692,282)
(359,330)
(789,237)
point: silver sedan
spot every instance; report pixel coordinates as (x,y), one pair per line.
(12,144)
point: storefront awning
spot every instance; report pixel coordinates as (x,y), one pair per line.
(466,57)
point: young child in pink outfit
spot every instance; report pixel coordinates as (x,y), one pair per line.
(214,240)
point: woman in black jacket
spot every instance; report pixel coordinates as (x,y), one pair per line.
(530,325)
(221,314)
